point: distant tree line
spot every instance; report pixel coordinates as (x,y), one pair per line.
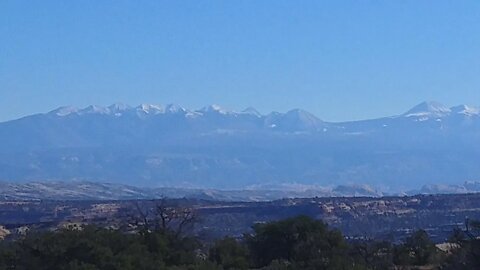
(295,243)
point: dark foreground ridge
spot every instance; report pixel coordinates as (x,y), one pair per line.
(391,218)
(159,242)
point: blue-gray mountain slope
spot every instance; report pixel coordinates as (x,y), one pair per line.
(154,145)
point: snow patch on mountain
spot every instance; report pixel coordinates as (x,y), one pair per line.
(214,108)
(294,120)
(150,109)
(251,111)
(428,109)
(64,111)
(466,110)
(94,109)
(174,109)
(85,190)
(466,187)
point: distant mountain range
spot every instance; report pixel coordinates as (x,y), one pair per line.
(212,148)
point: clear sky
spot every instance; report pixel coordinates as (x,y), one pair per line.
(341,60)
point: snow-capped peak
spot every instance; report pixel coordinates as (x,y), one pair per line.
(427,109)
(69,110)
(466,110)
(118,107)
(150,109)
(293,120)
(302,114)
(214,108)
(173,108)
(94,109)
(64,111)
(252,111)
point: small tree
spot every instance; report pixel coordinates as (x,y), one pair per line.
(229,253)
(374,254)
(418,249)
(303,241)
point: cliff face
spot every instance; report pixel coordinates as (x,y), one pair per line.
(390,218)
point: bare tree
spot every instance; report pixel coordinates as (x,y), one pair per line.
(160,216)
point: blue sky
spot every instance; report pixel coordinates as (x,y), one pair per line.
(341,60)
